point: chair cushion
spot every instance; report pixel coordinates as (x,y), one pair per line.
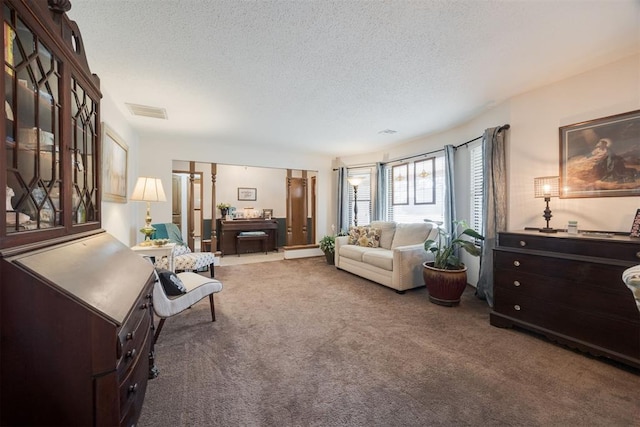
(171,282)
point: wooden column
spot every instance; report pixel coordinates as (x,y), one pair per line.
(214,210)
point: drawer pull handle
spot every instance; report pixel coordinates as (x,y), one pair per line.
(637,254)
(129,336)
(523,243)
(516,283)
(131,353)
(517,307)
(516,263)
(133,388)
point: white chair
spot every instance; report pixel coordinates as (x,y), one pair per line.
(197,287)
(631,278)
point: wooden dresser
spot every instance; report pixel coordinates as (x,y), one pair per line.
(76,333)
(569,288)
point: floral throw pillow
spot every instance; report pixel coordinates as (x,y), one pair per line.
(364,236)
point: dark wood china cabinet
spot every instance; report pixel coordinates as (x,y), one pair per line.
(75,303)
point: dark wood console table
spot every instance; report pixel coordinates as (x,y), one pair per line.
(570,289)
(228,235)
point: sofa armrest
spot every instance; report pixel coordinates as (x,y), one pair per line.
(340,241)
(407,265)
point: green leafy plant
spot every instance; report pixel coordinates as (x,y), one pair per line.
(444,247)
(328,244)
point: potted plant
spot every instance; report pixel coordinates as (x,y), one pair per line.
(446,276)
(224,208)
(328,246)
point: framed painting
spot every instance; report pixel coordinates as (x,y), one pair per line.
(267,213)
(247,194)
(601,157)
(114,165)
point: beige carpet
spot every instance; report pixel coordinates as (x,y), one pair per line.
(299,343)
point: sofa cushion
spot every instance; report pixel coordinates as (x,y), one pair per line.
(364,236)
(387,230)
(379,257)
(411,234)
(353,252)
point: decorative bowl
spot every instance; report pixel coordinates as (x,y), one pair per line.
(160,242)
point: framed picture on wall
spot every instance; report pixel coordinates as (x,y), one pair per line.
(267,213)
(247,194)
(601,157)
(114,159)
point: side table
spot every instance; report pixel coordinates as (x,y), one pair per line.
(157,251)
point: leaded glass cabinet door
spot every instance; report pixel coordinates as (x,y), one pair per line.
(83,163)
(32,126)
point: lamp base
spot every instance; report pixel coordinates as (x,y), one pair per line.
(148,231)
(547,230)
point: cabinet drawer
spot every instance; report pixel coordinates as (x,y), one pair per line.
(614,334)
(601,276)
(604,301)
(616,248)
(134,383)
(133,333)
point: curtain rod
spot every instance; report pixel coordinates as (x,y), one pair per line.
(500,129)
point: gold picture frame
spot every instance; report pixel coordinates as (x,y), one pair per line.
(115,153)
(599,158)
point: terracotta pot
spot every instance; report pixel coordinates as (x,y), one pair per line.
(330,256)
(445,286)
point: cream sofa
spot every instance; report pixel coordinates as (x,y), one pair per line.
(397,262)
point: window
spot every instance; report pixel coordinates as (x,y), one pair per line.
(476,221)
(363,197)
(425,194)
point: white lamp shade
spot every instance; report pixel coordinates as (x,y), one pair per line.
(149,190)
(355,180)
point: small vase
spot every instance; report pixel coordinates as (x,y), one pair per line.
(445,286)
(224,212)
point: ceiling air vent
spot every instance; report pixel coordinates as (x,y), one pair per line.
(388,131)
(146,111)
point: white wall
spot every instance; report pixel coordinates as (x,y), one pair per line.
(123,220)
(161,150)
(534,147)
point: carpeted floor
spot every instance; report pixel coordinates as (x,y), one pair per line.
(299,343)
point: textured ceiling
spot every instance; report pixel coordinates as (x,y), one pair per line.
(328,76)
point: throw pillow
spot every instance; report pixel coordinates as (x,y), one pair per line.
(364,236)
(171,283)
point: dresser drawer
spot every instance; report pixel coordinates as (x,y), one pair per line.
(615,302)
(615,334)
(133,333)
(619,248)
(134,383)
(603,276)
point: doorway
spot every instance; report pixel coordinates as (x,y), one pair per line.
(187,206)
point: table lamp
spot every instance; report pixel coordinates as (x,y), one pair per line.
(148,190)
(547,187)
